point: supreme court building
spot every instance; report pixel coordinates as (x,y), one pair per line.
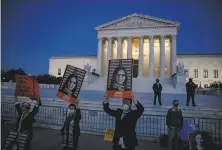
(151,42)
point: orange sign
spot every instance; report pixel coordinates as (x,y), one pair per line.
(119,81)
(71,84)
(26,86)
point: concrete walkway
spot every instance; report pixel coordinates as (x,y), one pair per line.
(49,139)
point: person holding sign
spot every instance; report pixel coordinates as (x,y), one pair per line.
(25,119)
(71,127)
(126,118)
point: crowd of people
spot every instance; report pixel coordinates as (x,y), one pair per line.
(126,118)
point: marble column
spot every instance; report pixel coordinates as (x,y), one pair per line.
(151,59)
(173,54)
(99,56)
(162,57)
(129,47)
(109,54)
(141,56)
(119,48)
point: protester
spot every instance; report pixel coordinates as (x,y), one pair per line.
(157,88)
(174,120)
(190,88)
(126,118)
(26,119)
(71,127)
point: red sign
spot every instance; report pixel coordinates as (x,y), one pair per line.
(27,86)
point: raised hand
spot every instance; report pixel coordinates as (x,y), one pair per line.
(106,98)
(77,103)
(133,98)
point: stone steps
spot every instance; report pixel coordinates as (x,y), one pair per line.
(149,108)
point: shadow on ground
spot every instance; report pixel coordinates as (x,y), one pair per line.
(49,139)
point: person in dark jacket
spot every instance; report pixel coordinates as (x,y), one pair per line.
(174,121)
(126,118)
(190,88)
(157,88)
(26,119)
(71,127)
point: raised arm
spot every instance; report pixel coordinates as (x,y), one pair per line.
(78,113)
(139,106)
(106,107)
(17,106)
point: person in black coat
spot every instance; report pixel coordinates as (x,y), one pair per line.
(126,118)
(71,127)
(157,88)
(26,119)
(174,121)
(190,88)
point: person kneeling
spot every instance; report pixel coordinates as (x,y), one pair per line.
(126,118)
(71,127)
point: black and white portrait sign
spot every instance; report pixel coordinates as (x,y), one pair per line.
(200,140)
(120,75)
(16,141)
(71,83)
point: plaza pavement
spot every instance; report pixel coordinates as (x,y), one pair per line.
(49,139)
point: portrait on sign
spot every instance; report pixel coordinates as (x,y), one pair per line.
(71,83)
(199,140)
(119,81)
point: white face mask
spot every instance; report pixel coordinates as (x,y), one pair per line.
(70,111)
(125,107)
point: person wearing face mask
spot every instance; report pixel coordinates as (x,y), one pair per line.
(157,88)
(126,118)
(26,119)
(174,121)
(71,127)
(190,88)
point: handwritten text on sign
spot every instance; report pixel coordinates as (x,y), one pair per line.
(27,86)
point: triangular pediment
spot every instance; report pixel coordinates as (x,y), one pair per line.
(135,21)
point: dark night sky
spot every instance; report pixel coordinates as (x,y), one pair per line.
(35,30)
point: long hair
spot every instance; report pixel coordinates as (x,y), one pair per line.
(113,81)
(206,140)
(65,86)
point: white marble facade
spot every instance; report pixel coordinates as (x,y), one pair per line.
(150,40)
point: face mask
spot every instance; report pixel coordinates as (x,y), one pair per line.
(176,105)
(125,107)
(70,111)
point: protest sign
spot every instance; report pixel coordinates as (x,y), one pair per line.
(119,81)
(16,140)
(109,133)
(199,140)
(26,86)
(71,84)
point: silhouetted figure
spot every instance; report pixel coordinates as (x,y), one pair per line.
(190,88)
(157,88)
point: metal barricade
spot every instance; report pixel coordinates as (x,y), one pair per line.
(97,121)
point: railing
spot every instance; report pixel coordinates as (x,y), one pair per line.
(96,121)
